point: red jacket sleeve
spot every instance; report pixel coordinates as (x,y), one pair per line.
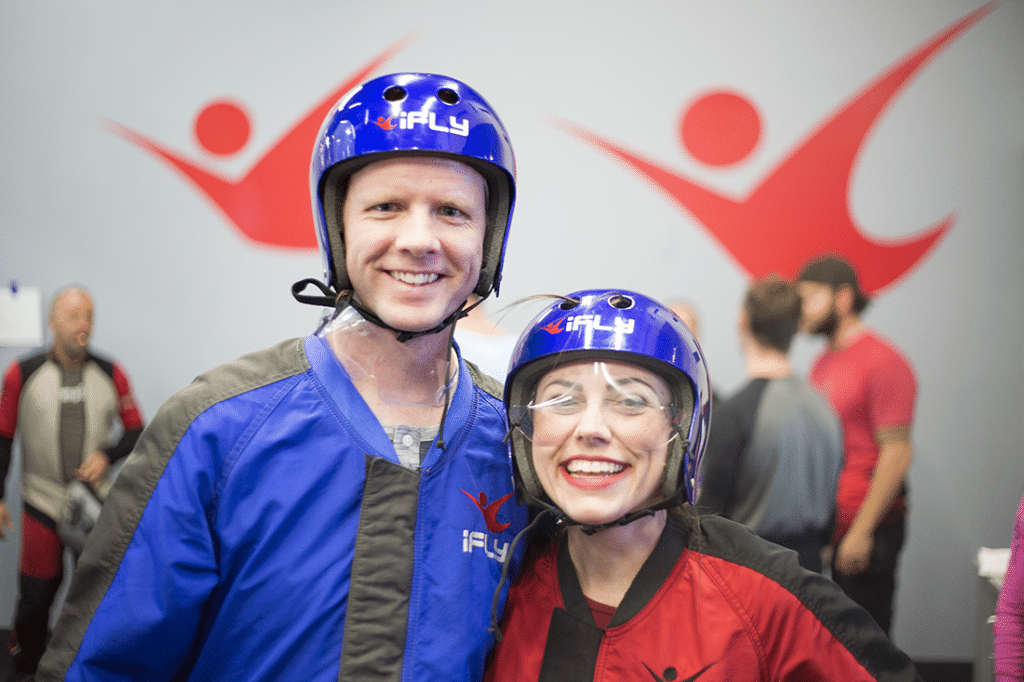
(9,398)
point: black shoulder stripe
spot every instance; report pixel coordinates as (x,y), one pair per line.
(106,365)
(31,364)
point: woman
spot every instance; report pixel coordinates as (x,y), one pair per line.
(609,403)
(1009,627)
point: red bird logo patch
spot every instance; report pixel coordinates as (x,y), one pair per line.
(490,511)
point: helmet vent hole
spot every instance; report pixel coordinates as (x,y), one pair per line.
(568,304)
(621,302)
(394,94)
(448,96)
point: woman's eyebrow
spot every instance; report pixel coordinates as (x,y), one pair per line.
(625,381)
(561,382)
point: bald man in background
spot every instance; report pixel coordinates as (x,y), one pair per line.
(62,402)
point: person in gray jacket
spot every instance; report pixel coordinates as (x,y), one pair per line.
(775,448)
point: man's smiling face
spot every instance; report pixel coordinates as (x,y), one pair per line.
(414,231)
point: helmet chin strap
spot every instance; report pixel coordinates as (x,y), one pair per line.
(589,529)
(346,297)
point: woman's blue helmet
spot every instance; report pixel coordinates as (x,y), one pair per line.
(620,325)
(402,114)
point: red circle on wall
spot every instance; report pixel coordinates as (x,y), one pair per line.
(720,128)
(222,128)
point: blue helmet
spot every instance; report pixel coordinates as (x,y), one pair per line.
(620,325)
(411,113)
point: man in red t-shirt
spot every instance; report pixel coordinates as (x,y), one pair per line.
(872,388)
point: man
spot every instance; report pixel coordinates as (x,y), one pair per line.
(775,448)
(335,507)
(872,388)
(62,403)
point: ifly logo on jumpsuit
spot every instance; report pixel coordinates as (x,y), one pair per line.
(474,539)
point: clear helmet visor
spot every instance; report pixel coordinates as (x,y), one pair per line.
(623,400)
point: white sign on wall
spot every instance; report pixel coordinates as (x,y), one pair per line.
(21,316)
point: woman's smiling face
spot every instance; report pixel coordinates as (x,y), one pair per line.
(600,436)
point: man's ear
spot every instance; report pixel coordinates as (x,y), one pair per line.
(743,321)
(844,299)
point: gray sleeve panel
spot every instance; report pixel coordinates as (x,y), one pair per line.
(377,615)
(792,462)
(142,470)
(485,381)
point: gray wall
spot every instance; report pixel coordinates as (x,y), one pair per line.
(178,290)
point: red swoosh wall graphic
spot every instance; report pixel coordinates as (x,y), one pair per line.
(270,204)
(801,209)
